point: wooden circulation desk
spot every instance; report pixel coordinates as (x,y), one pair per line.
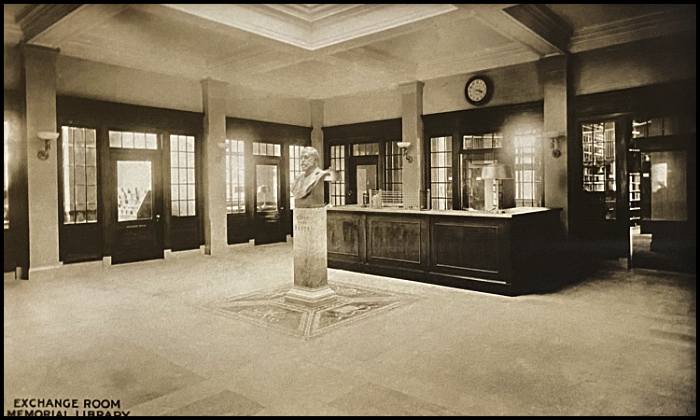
(511,252)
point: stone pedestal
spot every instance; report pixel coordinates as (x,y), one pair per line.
(310,259)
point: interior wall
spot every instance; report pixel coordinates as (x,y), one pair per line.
(511,85)
(634,64)
(362,107)
(87,79)
(243,102)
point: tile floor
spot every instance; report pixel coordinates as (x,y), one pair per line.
(621,343)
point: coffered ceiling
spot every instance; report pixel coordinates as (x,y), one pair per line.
(319,51)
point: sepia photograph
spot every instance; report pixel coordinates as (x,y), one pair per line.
(350,210)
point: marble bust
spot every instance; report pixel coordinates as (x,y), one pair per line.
(308,187)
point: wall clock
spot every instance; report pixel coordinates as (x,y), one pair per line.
(478,90)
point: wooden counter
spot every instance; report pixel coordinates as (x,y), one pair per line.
(505,253)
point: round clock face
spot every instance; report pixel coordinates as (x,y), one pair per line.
(477,90)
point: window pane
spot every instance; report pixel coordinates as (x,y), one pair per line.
(151,141)
(128,140)
(115,139)
(139,140)
(134,186)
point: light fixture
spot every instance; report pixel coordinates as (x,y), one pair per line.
(47,136)
(403,145)
(555,140)
(497,171)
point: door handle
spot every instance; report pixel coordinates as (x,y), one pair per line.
(157,217)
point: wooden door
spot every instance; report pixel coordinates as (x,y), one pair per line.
(137,225)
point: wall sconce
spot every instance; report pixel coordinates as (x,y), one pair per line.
(403,145)
(555,140)
(47,136)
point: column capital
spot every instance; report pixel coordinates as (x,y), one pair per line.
(38,51)
(553,63)
(415,86)
(214,87)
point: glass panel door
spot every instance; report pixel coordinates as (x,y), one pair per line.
(136,200)
(268,225)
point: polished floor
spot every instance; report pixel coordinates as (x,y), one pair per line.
(620,343)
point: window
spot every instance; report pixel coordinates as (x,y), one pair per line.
(365,149)
(479,151)
(599,162)
(528,169)
(337,193)
(393,178)
(235,177)
(79,165)
(182,191)
(266,149)
(7,177)
(652,127)
(130,140)
(441,173)
(294,169)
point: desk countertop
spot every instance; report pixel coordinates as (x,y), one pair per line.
(502,214)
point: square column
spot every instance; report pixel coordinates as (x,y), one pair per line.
(215,228)
(555,135)
(42,173)
(412,131)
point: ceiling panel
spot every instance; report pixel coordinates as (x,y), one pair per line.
(469,38)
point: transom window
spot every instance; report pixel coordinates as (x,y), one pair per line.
(131,140)
(441,173)
(652,127)
(182,182)
(79,166)
(235,177)
(365,149)
(266,149)
(483,141)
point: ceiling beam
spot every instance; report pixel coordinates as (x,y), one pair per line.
(35,20)
(51,25)
(532,25)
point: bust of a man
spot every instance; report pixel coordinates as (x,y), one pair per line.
(308,187)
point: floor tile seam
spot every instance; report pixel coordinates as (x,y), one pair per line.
(178,399)
(421,397)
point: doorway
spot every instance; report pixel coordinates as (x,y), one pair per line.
(658,181)
(362,178)
(137,226)
(267,209)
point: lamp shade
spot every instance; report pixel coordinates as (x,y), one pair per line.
(497,171)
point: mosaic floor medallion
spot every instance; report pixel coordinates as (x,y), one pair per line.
(269,309)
